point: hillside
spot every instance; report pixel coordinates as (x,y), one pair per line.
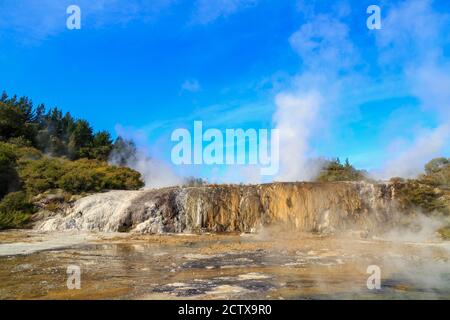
(25,173)
(43,151)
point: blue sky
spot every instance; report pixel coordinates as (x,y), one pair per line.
(143,69)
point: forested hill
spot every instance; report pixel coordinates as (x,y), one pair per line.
(44,152)
(50,130)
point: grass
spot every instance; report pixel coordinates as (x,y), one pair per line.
(13,219)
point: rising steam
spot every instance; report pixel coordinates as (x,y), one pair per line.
(155,173)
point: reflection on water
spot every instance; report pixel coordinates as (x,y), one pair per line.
(228,266)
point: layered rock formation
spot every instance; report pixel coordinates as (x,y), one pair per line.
(320,207)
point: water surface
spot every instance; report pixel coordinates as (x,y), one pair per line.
(271,266)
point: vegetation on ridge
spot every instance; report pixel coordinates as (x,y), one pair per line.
(429,191)
(334,170)
(41,151)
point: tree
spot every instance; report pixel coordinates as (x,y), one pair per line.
(25,131)
(9,180)
(123,152)
(102,138)
(437,173)
(50,131)
(39,115)
(80,140)
(4,97)
(347,163)
(16,120)
(436,165)
(194,182)
(101,146)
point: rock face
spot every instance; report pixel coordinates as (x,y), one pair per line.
(319,207)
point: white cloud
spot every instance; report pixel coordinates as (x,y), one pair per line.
(431,82)
(412,30)
(410,45)
(412,40)
(207,11)
(35,21)
(191,85)
(408,161)
(324,43)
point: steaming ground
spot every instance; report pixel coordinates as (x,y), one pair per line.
(272,264)
(323,207)
(313,241)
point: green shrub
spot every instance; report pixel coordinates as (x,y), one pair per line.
(15,210)
(81,181)
(437,173)
(9,180)
(429,191)
(42,174)
(77,176)
(426,197)
(20,141)
(335,171)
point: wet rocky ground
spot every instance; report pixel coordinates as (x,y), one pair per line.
(272,265)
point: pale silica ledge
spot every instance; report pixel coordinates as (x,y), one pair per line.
(305,207)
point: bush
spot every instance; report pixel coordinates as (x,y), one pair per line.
(77,180)
(15,210)
(436,165)
(91,175)
(20,141)
(25,167)
(416,194)
(77,176)
(437,173)
(194,182)
(122,178)
(42,174)
(9,180)
(335,171)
